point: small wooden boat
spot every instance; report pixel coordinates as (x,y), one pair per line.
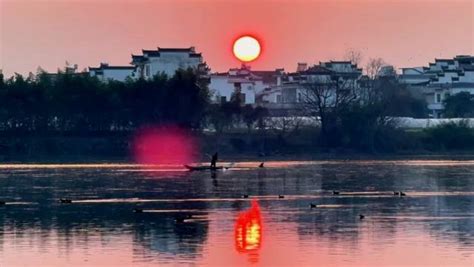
(204,168)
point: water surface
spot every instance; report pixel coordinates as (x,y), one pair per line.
(202,218)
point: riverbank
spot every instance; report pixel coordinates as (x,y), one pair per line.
(448,142)
(231,146)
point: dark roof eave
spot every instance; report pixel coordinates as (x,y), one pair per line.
(112,68)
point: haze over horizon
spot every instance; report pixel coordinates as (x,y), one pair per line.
(404,33)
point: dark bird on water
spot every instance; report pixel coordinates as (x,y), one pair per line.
(245,196)
(281,196)
(399,193)
(361,216)
(402,194)
(261,165)
(65,200)
(312,205)
(2,203)
(335,192)
(138,210)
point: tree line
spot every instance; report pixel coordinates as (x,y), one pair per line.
(350,117)
(357,113)
(78,103)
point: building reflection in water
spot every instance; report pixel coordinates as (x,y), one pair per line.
(248,231)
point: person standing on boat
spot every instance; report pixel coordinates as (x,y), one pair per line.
(214,160)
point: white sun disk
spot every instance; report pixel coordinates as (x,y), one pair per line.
(246,48)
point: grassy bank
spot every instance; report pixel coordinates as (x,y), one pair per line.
(447,142)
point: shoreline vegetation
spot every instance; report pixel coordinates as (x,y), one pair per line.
(76,118)
(107,149)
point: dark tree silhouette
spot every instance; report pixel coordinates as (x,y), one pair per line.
(460,105)
(76,103)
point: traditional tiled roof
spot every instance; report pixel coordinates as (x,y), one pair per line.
(462,85)
(452,85)
(468,67)
(416,76)
(444,60)
(151,53)
(268,76)
(219,74)
(176,50)
(263,75)
(465,59)
(316,69)
(413,69)
(339,62)
(108,67)
(453,70)
(157,53)
(422,83)
(138,58)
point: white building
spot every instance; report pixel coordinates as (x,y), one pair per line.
(165,60)
(244,82)
(152,62)
(118,73)
(290,95)
(440,79)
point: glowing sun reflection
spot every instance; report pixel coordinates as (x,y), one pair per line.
(248,231)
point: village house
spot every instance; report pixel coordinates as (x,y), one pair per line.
(166,61)
(291,94)
(242,82)
(152,62)
(105,72)
(439,80)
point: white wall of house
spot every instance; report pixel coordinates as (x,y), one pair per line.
(224,85)
(169,62)
(273,96)
(116,74)
(294,91)
(249,89)
(446,77)
(415,75)
(449,77)
(165,61)
(287,94)
(412,71)
(259,87)
(468,77)
(468,88)
(414,78)
(338,66)
(318,78)
(221,87)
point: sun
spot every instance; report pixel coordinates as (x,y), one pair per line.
(246,48)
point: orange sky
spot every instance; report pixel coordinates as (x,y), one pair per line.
(86,32)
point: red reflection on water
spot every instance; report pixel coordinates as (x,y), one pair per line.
(248,231)
(163,145)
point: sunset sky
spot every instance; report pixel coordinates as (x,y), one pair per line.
(46,33)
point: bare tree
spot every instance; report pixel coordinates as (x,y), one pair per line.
(326,98)
(354,56)
(374,66)
(285,127)
(352,109)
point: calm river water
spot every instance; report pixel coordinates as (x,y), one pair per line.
(205,219)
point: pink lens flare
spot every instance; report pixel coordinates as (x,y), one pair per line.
(163,145)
